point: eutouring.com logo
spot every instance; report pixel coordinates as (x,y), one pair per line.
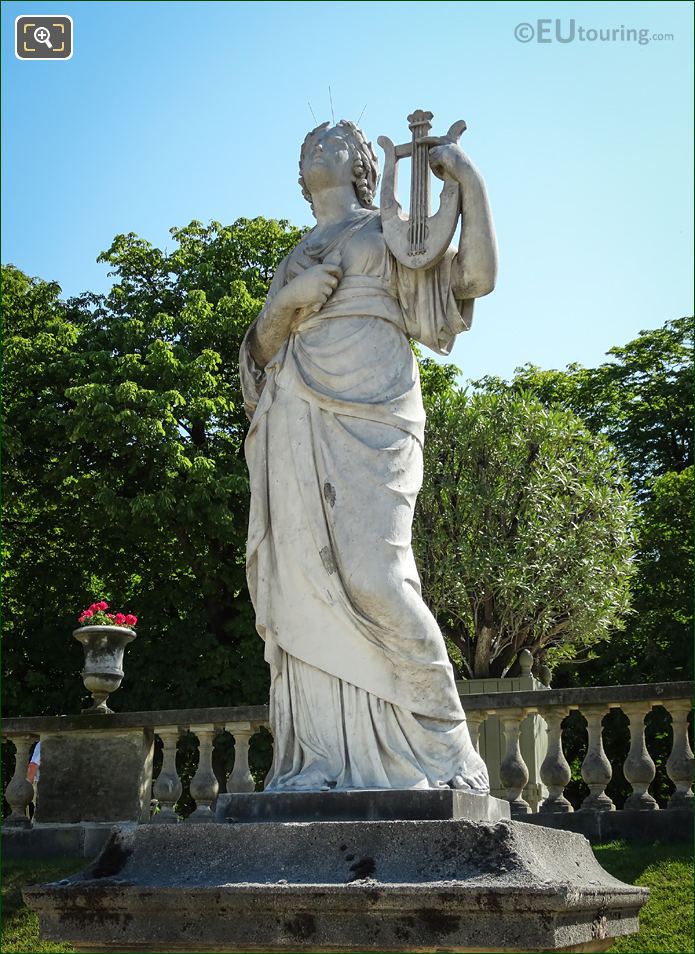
(567,31)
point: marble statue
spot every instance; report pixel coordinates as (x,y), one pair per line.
(362,692)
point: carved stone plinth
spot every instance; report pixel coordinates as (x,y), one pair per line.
(340,886)
(95,776)
(436,804)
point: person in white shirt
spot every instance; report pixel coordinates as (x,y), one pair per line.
(33,768)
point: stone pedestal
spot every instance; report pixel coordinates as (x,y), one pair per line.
(360,805)
(93,776)
(341,886)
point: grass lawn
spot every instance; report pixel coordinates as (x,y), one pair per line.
(20,926)
(666,923)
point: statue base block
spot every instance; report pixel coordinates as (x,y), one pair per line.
(430,804)
(452,885)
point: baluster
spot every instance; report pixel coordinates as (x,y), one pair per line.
(204,784)
(596,769)
(268,726)
(475,719)
(555,770)
(513,770)
(525,663)
(545,675)
(167,787)
(20,792)
(240,778)
(680,762)
(639,769)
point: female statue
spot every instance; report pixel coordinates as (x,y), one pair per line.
(362,692)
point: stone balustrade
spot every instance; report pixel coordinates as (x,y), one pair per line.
(554,705)
(90,735)
(94,733)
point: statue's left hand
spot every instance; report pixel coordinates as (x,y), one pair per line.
(449,161)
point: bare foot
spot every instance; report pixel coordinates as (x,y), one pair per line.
(477,784)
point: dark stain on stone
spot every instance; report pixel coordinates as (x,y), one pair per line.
(343,848)
(328,560)
(302,926)
(491,902)
(111,860)
(373,894)
(349,857)
(93,905)
(437,921)
(599,926)
(363,868)
(401,932)
(329,493)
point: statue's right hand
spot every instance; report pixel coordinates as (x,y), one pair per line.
(310,290)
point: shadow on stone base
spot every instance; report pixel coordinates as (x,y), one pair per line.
(670,824)
(56,841)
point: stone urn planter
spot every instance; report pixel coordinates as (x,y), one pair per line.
(104,647)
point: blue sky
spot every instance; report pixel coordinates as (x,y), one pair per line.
(170,111)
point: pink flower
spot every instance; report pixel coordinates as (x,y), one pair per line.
(93,608)
(131,620)
(109,615)
(120,619)
(87,614)
(102,606)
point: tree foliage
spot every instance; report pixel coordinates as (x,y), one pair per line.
(657,644)
(523,528)
(124,465)
(642,401)
(125,479)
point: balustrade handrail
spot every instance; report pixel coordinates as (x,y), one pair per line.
(654,692)
(532,700)
(217,716)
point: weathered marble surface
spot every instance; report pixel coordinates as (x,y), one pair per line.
(362,692)
(341,886)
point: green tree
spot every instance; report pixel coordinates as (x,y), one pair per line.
(656,645)
(641,399)
(522,529)
(47,551)
(125,475)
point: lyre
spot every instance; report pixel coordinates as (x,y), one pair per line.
(418,240)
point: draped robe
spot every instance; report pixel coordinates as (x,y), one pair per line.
(362,692)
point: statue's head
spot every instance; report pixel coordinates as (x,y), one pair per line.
(338,155)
